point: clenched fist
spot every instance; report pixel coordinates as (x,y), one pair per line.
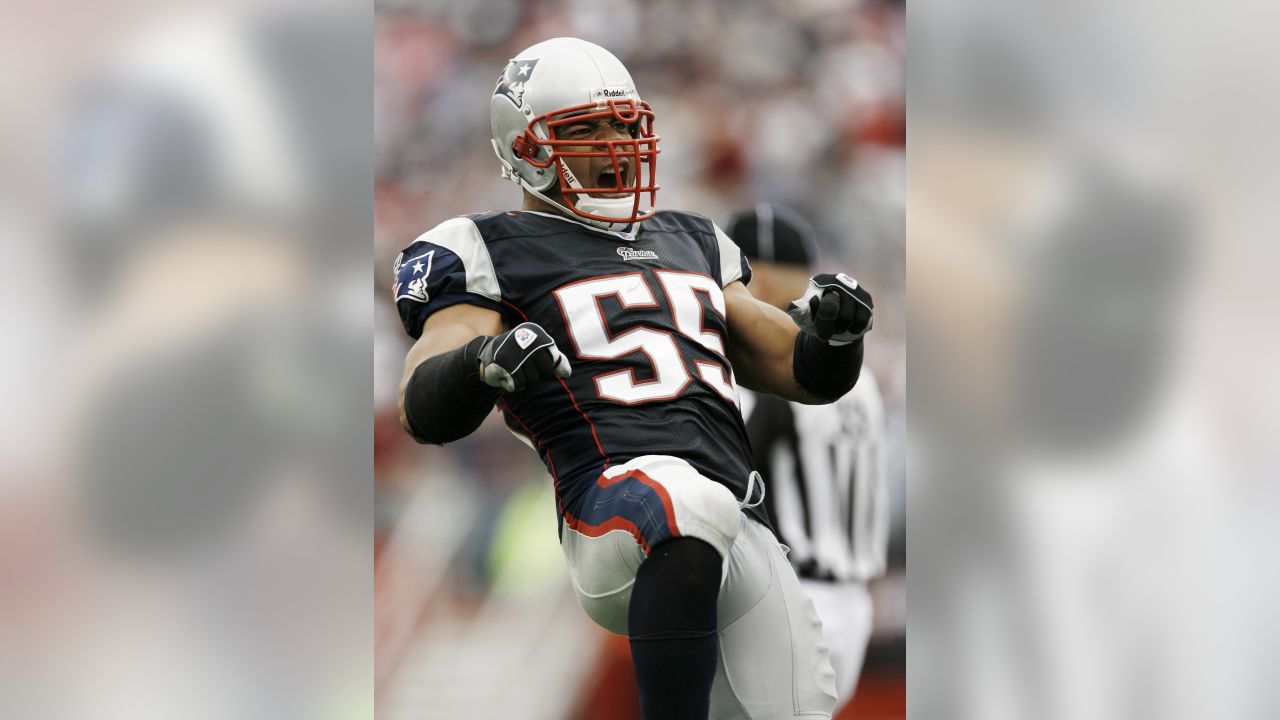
(520,357)
(834,308)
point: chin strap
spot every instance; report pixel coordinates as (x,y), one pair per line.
(603,225)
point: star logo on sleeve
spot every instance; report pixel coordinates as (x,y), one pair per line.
(411,280)
(418,266)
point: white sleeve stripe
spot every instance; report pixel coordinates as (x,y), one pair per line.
(461,237)
(730,258)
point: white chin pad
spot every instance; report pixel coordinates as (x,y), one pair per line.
(603,207)
(608,207)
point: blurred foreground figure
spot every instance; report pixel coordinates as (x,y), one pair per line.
(609,334)
(1061,481)
(823,464)
(209,179)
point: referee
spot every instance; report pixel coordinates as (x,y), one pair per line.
(823,465)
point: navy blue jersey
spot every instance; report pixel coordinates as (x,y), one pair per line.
(641,318)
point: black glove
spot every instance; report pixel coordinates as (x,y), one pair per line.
(834,308)
(520,357)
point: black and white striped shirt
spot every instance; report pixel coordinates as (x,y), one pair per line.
(824,467)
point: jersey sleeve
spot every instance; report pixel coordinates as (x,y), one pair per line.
(733,264)
(445,266)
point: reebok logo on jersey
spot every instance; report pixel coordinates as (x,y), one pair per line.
(524,337)
(630,254)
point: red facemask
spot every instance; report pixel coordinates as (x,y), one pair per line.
(637,153)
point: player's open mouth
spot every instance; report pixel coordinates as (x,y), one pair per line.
(610,179)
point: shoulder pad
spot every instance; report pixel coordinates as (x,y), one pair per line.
(447,265)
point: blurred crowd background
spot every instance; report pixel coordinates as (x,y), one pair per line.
(794,102)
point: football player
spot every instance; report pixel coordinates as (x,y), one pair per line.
(824,464)
(612,336)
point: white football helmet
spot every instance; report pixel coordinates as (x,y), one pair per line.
(564,81)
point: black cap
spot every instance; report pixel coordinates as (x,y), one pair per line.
(773,234)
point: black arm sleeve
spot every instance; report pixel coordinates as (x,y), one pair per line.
(824,371)
(446,400)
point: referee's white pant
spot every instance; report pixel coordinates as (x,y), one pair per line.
(845,610)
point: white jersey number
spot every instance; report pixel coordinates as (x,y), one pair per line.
(580,305)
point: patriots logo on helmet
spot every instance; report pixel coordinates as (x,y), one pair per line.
(513,80)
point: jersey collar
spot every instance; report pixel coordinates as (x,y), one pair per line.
(626,235)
